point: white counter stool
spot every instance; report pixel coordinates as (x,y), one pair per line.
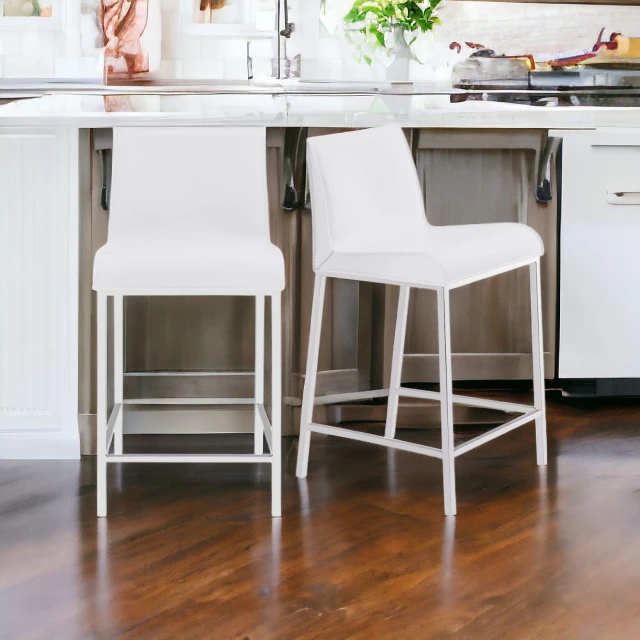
(189,217)
(369,224)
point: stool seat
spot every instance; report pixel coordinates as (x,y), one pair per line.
(212,262)
(442,256)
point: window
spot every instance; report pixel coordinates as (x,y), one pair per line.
(26,8)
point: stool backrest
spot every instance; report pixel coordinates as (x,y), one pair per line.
(193,180)
(365,195)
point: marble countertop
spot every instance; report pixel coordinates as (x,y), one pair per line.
(311,110)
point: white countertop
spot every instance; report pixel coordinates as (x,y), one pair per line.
(85,111)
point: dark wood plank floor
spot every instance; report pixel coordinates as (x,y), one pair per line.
(363,549)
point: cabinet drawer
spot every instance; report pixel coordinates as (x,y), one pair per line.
(600,257)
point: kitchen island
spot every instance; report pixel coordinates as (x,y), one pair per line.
(313,108)
(55,154)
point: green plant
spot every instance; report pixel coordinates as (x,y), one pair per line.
(377,17)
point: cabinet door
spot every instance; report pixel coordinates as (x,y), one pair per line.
(600,257)
(38,292)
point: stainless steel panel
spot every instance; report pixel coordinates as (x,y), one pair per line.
(185,335)
(467,178)
(192,334)
(198,384)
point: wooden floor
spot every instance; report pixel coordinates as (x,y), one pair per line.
(362,550)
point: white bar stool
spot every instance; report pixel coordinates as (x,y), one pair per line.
(369,224)
(189,217)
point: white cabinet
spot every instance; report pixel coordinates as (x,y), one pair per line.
(38,292)
(600,255)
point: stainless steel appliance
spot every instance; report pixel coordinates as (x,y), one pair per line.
(509,80)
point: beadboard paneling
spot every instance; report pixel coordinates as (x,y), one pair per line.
(28,274)
(38,307)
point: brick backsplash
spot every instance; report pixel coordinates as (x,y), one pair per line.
(68,45)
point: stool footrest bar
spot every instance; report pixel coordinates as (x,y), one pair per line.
(373,439)
(468,401)
(422,394)
(194,401)
(266,425)
(111,425)
(497,432)
(507,407)
(354,396)
(249,458)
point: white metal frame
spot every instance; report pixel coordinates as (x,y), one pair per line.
(110,426)
(448,451)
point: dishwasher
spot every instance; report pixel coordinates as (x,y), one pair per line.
(599,336)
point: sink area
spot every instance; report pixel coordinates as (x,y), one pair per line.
(430,96)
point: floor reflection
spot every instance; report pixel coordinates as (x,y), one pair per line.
(392,476)
(447,564)
(362,550)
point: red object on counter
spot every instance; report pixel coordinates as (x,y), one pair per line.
(123,24)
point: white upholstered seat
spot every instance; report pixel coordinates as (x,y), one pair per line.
(444,255)
(183,261)
(189,216)
(369,224)
(369,218)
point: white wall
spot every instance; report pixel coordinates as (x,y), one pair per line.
(68,45)
(510,28)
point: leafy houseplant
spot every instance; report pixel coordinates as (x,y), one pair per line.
(375,19)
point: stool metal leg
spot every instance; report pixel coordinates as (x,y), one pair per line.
(101,480)
(446,403)
(118,369)
(258,440)
(308,396)
(276,405)
(396,364)
(538,362)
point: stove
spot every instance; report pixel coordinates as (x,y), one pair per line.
(509,80)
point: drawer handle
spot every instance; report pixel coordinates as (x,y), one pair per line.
(623,197)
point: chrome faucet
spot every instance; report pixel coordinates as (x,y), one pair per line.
(249,62)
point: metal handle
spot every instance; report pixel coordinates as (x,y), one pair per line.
(295,168)
(288,26)
(543,188)
(249,62)
(105,191)
(627,198)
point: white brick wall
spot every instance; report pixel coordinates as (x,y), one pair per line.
(507,27)
(68,45)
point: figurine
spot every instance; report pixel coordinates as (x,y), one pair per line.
(123,22)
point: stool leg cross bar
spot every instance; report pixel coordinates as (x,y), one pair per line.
(189,216)
(110,425)
(448,452)
(370,225)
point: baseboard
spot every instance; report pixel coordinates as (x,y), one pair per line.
(425,367)
(601,388)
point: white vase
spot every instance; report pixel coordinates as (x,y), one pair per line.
(398,70)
